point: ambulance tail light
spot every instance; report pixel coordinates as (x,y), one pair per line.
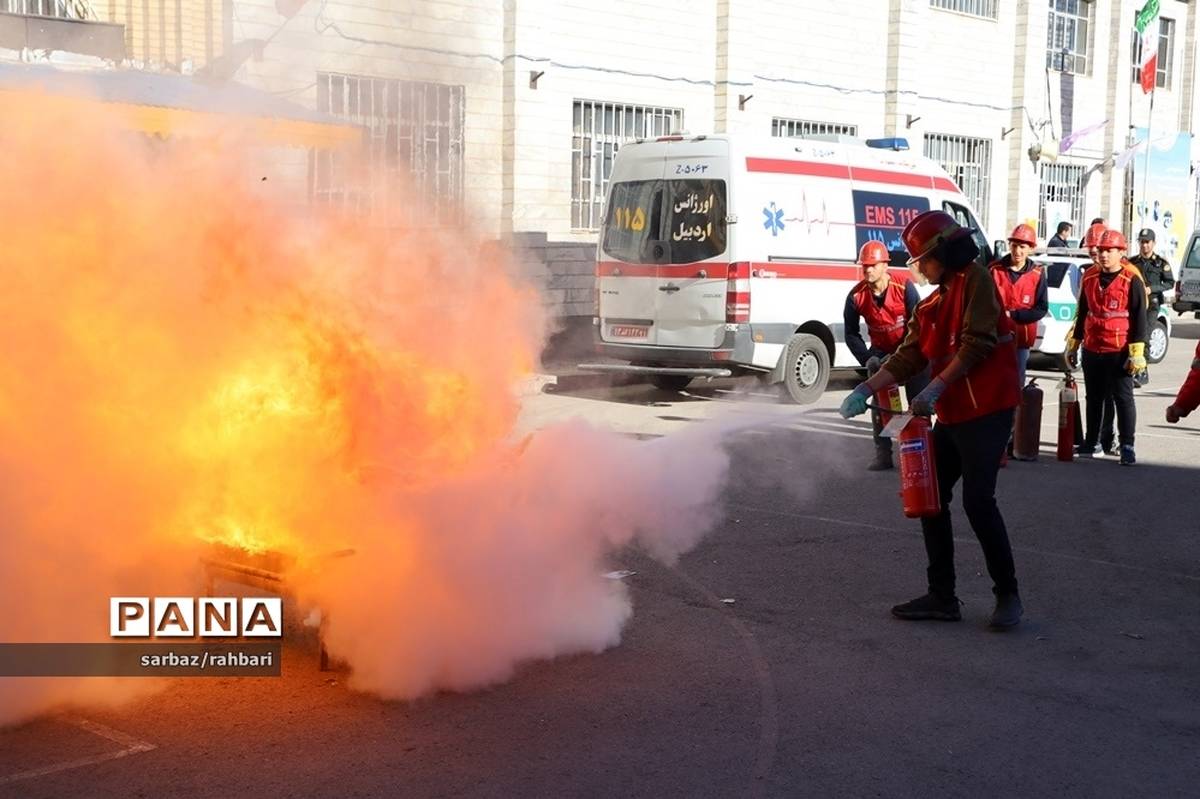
(737,294)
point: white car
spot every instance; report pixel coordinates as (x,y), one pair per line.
(1064,270)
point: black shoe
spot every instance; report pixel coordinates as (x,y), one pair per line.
(1007,613)
(1127,456)
(1107,445)
(1084,451)
(882,462)
(929,607)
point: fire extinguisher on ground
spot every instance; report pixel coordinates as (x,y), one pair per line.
(1028,433)
(1068,417)
(918,470)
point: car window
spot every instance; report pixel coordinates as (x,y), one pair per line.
(1193,258)
(964,217)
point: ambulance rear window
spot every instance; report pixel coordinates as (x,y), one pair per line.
(696,213)
(681,220)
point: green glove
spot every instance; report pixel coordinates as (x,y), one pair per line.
(855,402)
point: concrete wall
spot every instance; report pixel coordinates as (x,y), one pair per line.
(891,67)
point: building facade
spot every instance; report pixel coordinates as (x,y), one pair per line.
(508,113)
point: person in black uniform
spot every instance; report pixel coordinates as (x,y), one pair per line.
(1156,274)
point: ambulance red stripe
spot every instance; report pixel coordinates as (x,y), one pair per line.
(823,170)
(718,271)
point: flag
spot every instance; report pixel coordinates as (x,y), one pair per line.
(1146,24)
(1069,141)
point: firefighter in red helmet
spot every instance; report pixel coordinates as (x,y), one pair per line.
(962,334)
(1022,287)
(885,305)
(1111,328)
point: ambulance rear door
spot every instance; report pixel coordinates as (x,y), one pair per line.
(693,269)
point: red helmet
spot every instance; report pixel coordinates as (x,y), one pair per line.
(1112,240)
(1092,237)
(928,230)
(1024,234)
(873,252)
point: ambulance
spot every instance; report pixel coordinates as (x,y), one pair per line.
(723,256)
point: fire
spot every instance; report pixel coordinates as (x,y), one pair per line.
(194,360)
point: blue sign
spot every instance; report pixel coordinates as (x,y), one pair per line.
(774,219)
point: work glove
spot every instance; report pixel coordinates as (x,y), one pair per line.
(1137,358)
(873,364)
(1071,353)
(922,404)
(855,402)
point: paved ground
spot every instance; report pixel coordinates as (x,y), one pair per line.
(802,686)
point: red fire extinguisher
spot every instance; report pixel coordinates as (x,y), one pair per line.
(1068,413)
(918,473)
(889,402)
(1027,435)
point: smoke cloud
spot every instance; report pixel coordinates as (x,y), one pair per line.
(191,359)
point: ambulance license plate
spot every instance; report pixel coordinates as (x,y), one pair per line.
(629,331)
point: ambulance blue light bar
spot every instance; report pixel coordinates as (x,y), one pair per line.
(888,144)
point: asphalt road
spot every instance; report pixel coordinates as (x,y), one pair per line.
(801,686)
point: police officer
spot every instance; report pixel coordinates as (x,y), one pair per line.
(886,305)
(1111,327)
(961,333)
(1156,274)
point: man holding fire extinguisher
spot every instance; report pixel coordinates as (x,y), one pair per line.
(962,334)
(1111,328)
(886,305)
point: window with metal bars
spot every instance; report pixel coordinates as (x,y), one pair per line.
(599,130)
(59,9)
(1067,37)
(414,136)
(1166,47)
(968,161)
(791,128)
(1059,183)
(975,8)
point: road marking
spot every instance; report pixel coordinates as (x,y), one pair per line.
(958,539)
(132,746)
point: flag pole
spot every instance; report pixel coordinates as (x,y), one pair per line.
(1149,150)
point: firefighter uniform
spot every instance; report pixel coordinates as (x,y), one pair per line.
(886,314)
(1023,295)
(962,335)
(1111,327)
(1189,392)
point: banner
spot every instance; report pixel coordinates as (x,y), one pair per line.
(1166,205)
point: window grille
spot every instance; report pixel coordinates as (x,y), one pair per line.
(599,130)
(968,161)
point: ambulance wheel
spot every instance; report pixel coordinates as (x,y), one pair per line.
(671,382)
(805,368)
(1156,342)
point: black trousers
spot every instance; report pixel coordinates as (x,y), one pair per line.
(1104,380)
(970,451)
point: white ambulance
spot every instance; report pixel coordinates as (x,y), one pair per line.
(724,255)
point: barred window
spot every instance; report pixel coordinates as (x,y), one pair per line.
(968,161)
(59,9)
(1067,41)
(599,130)
(976,8)
(1166,48)
(414,134)
(792,128)
(1059,183)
